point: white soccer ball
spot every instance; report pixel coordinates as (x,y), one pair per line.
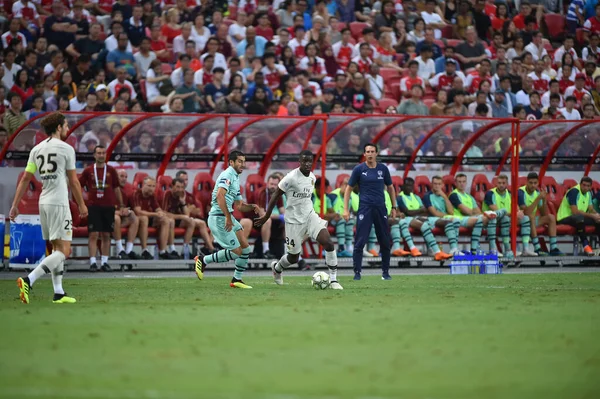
(321,280)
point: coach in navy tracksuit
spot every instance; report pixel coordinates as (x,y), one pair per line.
(372,178)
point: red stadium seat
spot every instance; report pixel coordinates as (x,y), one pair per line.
(580,36)
(138,179)
(356,29)
(453,42)
(555,24)
(555,192)
(203,188)
(397,182)
(340,178)
(447,32)
(479,186)
(167,69)
(254,183)
(388,73)
(428,102)
(395,90)
(163,183)
(232,12)
(422,185)
(384,103)
(568,183)
(448,184)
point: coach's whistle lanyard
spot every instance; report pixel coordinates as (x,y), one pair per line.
(100,190)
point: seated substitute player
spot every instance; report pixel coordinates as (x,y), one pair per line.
(227,230)
(150,214)
(417,218)
(576,209)
(532,201)
(498,199)
(437,203)
(55,161)
(301,220)
(468,213)
(125,217)
(197,213)
(176,208)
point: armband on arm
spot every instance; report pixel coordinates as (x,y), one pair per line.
(31,167)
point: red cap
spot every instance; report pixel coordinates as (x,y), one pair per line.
(580,76)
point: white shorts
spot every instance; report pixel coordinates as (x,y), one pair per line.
(57,223)
(295,234)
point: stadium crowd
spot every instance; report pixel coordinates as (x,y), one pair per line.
(301,57)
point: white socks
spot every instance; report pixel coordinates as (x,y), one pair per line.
(57,277)
(331,261)
(128,247)
(92,260)
(104,259)
(119,245)
(51,263)
(172,248)
(265,247)
(282,264)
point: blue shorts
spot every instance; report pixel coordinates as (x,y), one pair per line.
(226,239)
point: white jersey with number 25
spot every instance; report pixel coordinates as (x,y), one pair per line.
(52,158)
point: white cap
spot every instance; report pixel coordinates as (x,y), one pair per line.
(101,87)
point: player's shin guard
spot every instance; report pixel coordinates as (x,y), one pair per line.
(429,238)
(405,233)
(350,234)
(553,243)
(505,233)
(332,264)
(395,232)
(224,255)
(536,243)
(451,232)
(57,277)
(492,226)
(49,264)
(241,263)
(372,239)
(476,234)
(525,231)
(340,234)
(284,263)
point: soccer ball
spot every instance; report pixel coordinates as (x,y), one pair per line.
(320,281)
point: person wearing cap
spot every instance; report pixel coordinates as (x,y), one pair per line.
(569,111)
(498,108)
(443,80)
(578,90)
(103,101)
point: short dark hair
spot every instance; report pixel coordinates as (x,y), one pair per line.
(481,109)
(459,175)
(98,146)
(371,145)
(234,155)
(571,98)
(52,122)
(532,176)
(318,182)
(180,173)
(409,180)
(586,179)
(436,177)
(503,177)
(306,153)
(177,180)
(518,108)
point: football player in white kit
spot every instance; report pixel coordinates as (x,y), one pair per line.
(301,221)
(55,161)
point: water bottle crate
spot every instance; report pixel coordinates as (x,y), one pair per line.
(475,264)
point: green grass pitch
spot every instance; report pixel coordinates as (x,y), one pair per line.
(417,337)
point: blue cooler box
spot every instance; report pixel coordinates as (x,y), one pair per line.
(475,264)
(27,246)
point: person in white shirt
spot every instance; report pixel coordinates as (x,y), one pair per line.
(13,34)
(304,83)
(569,111)
(119,82)
(536,47)
(578,89)
(144,57)
(298,43)
(343,50)
(55,161)
(433,19)
(301,220)
(10,68)
(200,32)
(111,42)
(426,64)
(78,103)
(234,69)
(237,30)
(180,40)
(376,83)
(567,46)
(523,95)
(444,80)
(554,89)
(213,45)
(19,6)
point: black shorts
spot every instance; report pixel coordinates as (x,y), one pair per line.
(101,219)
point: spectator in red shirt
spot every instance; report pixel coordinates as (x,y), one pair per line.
(592,25)
(175,207)
(158,45)
(171,29)
(125,217)
(104,194)
(150,214)
(264,28)
(519,19)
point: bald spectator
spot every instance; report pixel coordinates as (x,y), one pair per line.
(259,42)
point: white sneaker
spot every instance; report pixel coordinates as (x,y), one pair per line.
(367,254)
(528,252)
(490,214)
(278,277)
(455,252)
(336,286)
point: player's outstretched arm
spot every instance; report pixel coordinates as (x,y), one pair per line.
(244,207)
(76,190)
(272,204)
(21,188)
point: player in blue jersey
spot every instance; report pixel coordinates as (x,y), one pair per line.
(228,232)
(371,177)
